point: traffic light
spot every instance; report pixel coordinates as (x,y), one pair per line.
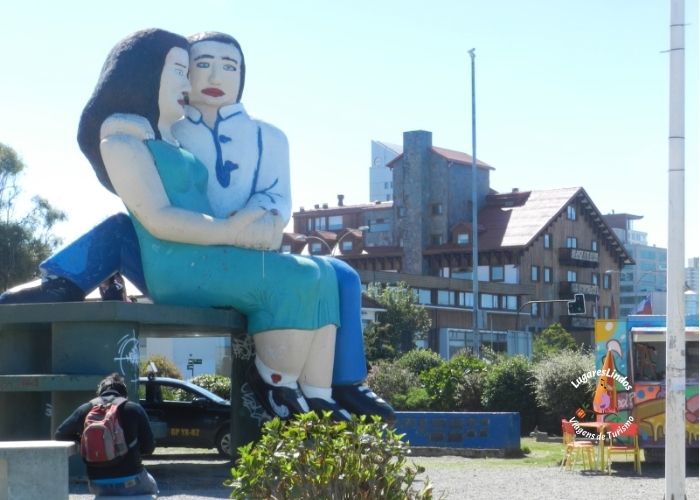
(578,305)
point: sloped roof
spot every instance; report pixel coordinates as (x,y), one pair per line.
(459,157)
(516,226)
(517,219)
(450,155)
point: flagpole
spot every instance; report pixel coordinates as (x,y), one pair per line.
(475,209)
(675,322)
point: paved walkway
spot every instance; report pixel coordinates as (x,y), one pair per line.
(199,474)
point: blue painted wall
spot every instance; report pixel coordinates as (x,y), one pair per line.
(482,430)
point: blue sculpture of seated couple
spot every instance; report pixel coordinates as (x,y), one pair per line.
(208,194)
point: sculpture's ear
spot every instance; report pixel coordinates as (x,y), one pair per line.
(127,124)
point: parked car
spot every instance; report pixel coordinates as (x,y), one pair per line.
(185,415)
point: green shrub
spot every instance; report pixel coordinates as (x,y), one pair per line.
(509,386)
(166,368)
(551,340)
(392,382)
(417,399)
(315,458)
(553,385)
(418,361)
(450,385)
(218,384)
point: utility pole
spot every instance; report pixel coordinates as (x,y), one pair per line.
(675,308)
(475,207)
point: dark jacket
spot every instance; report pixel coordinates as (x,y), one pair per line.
(133,420)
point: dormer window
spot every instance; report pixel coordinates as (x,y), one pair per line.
(346,246)
(286,248)
(315,248)
(462,239)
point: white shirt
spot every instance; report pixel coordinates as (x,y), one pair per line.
(247,160)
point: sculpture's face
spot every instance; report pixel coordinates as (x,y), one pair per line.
(215,74)
(173,85)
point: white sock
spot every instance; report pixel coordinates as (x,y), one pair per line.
(273,377)
(311,391)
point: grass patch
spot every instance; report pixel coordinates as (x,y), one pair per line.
(535,453)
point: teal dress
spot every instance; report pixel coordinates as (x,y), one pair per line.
(275,291)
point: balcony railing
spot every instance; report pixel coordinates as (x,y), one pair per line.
(578,257)
(567,289)
(577,322)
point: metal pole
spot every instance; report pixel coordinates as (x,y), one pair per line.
(475,209)
(675,326)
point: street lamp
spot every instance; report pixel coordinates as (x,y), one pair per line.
(335,250)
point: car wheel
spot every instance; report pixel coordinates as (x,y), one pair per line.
(223,442)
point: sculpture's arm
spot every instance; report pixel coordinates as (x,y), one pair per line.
(132,172)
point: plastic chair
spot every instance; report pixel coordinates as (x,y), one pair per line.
(630,432)
(574,448)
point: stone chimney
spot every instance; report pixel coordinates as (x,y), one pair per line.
(341,197)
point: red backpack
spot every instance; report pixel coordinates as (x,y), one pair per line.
(103,441)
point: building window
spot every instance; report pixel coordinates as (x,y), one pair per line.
(309,225)
(547,310)
(606,281)
(535,310)
(594,278)
(346,245)
(437,208)
(488,301)
(571,276)
(534,273)
(320,223)
(547,240)
(315,247)
(594,245)
(510,302)
(571,212)
(462,239)
(497,273)
(386,185)
(423,295)
(466,299)
(547,274)
(286,248)
(437,239)
(606,312)
(571,242)
(446,298)
(335,222)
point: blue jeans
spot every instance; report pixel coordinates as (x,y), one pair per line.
(107,248)
(112,246)
(140,484)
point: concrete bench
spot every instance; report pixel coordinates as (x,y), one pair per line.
(34,469)
(53,355)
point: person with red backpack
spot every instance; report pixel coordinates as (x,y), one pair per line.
(112,433)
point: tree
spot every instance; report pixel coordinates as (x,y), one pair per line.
(27,240)
(551,340)
(403,322)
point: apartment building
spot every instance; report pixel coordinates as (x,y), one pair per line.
(537,245)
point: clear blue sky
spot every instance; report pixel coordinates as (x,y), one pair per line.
(569,93)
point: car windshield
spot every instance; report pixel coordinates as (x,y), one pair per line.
(206,393)
(175,390)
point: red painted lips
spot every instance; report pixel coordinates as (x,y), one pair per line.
(213,92)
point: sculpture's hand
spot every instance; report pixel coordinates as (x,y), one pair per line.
(127,124)
(242,225)
(261,232)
